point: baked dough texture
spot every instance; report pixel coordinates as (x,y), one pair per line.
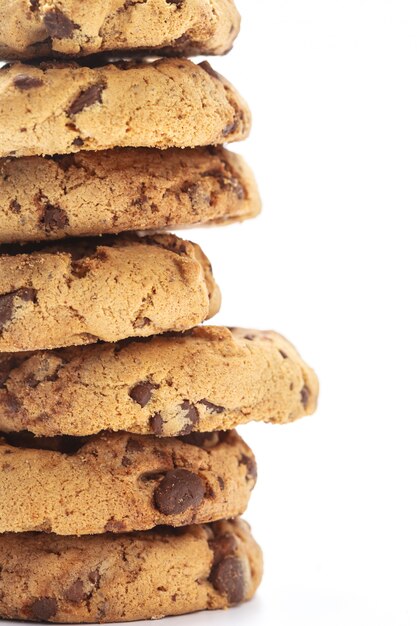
(124,189)
(207,379)
(60,108)
(60,28)
(119,482)
(82,291)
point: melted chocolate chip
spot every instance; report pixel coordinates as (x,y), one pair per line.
(179,490)
(8,301)
(305,396)
(133,445)
(205,65)
(202,440)
(25,82)
(222,547)
(54,218)
(213,408)
(86,98)
(156,424)
(6,367)
(228,577)
(191,416)
(11,403)
(142,392)
(15,206)
(43,609)
(115,526)
(75,593)
(58,25)
(251,469)
(230,128)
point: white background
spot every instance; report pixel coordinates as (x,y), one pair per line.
(332,264)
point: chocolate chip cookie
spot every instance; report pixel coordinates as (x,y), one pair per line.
(45,28)
(119,578)
(92,193)
(82,291)
(59,108)
(210,378)
(119,482)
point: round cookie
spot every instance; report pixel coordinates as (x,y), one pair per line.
(59,108)
(92,193)
(119,482)
(210,378)
(119,578)
(45,28)
(82,291)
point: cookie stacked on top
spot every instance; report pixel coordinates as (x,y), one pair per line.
(121,477)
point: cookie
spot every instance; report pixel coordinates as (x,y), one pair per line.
(61,108)
(82,291)
(210,378)
(56,28)
(120,578)
(119,482)
(92,193)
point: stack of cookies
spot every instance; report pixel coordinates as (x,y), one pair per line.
(121,477)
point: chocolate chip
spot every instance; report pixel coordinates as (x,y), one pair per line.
(78,141)
(15,206)
(230,128)
(251,469)
(94,577)
(115,526)
(149,477)
(214,408)
(196,194)
(156,424)
(75,593)
(228,577)
(305,396)
(180,490)
(86,98)
(179,3)
(205,65)
(8,301)
(191,414)
(142,392)
(250,337)
(202,440)
(223,546)
(221,482)
(54,218)
(43,609)
(283,354)
(133,445)
(11,403)
(25,82)
(58,25)
(6,367)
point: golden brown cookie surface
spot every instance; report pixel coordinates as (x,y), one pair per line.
(59,28)
(81,291)
(210,378)
(92,193)
(60,108)
(119,482)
